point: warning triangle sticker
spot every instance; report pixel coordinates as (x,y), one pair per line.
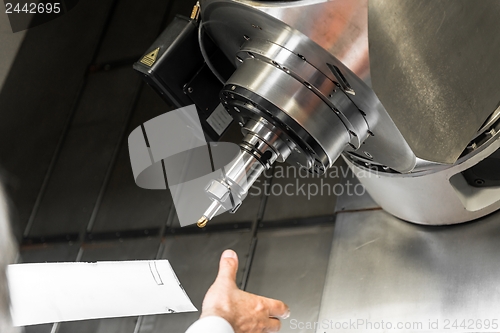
(150,58)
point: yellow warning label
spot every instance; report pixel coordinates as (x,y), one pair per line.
(150,58)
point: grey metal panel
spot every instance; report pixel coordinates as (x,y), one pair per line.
(434,66)
(311,195)
(38,95)
(45,328)
(129,249)
(113,325)
(132,29)
(382,268)
(125,205)
(358,198)
(95,131)
(81,326)
(290,265)
(48,252)
(10,44)
(195,259)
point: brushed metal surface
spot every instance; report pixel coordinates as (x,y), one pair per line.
(59,252)
(382,268)
(125,205)
(290,265)
(39,93)
(295,193)
(133,28)
(339,26)
(86,153)
(435,68)
(10,45)
(360,198)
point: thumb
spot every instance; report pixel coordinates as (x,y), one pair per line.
(228,266)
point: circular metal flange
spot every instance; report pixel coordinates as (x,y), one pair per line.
(241,104)
(300,69)
(266,91)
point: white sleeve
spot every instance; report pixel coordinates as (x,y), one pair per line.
(210,324)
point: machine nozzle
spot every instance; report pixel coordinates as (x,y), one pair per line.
(202,222)
(209,214)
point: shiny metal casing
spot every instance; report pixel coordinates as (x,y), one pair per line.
(435,67)
(232,24)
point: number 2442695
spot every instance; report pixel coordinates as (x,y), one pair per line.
(33,8)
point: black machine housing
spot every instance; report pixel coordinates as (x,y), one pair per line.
(179,73)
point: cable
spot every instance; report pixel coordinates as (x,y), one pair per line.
(205,56)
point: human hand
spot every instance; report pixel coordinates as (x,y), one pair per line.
(247,313)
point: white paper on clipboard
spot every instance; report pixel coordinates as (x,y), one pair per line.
(58,292)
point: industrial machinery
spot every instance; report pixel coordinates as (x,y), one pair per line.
(407,92)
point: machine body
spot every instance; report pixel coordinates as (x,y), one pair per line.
(296,76)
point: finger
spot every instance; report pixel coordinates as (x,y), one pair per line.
(273,325)
(277,308)
(228,266)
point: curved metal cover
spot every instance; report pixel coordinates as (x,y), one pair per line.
(229,22)
(435,65)
(339,26)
